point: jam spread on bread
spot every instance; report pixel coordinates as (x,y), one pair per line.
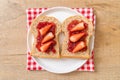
(77,36)
(45,37)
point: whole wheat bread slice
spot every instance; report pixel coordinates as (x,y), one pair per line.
(33,29)
(65,53)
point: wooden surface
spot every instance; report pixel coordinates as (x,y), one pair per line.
(13,40)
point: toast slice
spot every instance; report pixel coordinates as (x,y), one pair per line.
(45,31)
(77,30)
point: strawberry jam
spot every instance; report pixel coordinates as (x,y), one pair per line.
(40,37)
(72,45)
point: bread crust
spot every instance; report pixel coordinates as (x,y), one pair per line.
(83,55)
(34,51)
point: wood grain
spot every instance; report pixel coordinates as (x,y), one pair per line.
(13,40)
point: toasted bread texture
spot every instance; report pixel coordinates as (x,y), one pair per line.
(33,29)
(84,54)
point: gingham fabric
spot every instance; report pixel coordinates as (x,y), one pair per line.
(33,12)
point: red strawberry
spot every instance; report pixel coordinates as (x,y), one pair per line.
(45,29)
(78,27)
(76,37)
(79,46)
(48,37)
(45,46)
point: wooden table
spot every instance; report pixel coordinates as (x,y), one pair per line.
(13,40)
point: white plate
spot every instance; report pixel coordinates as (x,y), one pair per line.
(64,65)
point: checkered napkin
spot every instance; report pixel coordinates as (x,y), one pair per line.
(33,12)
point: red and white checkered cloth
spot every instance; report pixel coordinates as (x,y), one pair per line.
(33,12)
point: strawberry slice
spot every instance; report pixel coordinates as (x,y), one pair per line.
(45,46)
(79,46)
(78,27)
(45,29)
(76,37)
(48,37)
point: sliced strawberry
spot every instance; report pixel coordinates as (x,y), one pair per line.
(45,46)
(48,37)
(79,46)
(78,27)
(45,29)
(76,37)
